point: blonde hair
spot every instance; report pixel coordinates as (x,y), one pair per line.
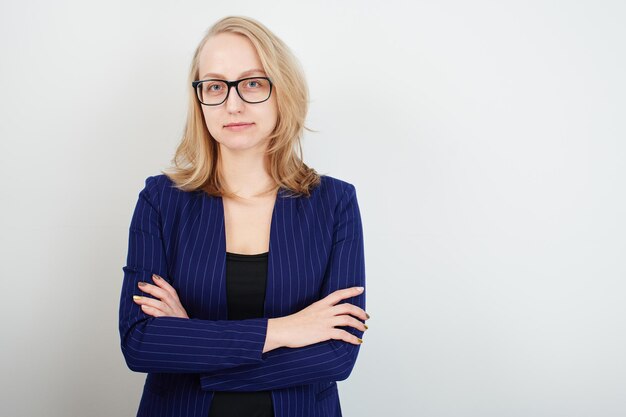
(195,163)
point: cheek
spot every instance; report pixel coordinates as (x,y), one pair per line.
(207,116)
(211,122)
(272,115)
(210,118)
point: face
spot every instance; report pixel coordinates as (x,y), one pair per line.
(227,56)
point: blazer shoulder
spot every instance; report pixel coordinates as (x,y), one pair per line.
(160,184)
(334,187)
(160,181)
(158,187)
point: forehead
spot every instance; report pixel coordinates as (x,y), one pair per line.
(228,55)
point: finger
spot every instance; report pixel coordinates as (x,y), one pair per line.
(347,308)
(152,311)
(151,302)
(346,320)
(165,285)
(169,305)
(336,296)
(339,334)
(158,292)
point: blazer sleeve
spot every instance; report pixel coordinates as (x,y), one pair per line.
(174,344)
(331,360)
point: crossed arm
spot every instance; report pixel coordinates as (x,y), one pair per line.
(229,355)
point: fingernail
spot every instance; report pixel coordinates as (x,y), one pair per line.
(366,326)
(360,341)
(136,297)
(155,276)
(141,284)
(368,316)
(360,288)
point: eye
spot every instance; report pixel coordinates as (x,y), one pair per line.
(255,83)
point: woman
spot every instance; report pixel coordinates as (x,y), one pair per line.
(243,287)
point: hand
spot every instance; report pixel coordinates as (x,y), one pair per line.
(168,304)
(316,323)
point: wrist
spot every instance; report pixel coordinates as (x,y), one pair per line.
(273,339)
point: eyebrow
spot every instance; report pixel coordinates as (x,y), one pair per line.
(243,74)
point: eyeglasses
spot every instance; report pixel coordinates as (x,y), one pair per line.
(251,90)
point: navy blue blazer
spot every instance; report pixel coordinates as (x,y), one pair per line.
(316,247)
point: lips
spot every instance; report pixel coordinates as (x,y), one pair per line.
(237,124)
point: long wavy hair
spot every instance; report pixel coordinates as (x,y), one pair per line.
(195,164)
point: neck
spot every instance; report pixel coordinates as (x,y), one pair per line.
(245,173)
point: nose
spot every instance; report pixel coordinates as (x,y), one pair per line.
(234,102)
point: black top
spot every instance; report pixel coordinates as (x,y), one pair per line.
(246,278)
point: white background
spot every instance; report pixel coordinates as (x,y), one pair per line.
(486,143)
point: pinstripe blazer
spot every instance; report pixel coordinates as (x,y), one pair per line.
(316,247)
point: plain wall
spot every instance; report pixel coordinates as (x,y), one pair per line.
(486,143)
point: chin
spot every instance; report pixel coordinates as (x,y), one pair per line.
(241,142)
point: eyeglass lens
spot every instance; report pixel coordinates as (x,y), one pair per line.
(252,90)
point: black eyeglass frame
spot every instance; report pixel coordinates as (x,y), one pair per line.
(230,84)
